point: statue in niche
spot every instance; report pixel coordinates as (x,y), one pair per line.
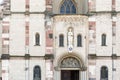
(70,37)
(70,63)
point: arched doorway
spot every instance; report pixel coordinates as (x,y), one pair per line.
(70,67)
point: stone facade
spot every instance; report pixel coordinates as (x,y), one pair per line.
(30,33)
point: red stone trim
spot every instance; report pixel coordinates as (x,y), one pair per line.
(27,34)
(27,5)
(92,25)
(113,28)
(49,41)
(5,29)
(113,23)
(113,4)
(48,3)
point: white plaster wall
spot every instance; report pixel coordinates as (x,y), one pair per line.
(0,38)
(117,6)
(18,72)
(37,5)
(103,62)
(17,69)
(37,26)
(103,25)
(18,5)
(118,35)
(62,28)
(103,5)
(17,35)
(37,62)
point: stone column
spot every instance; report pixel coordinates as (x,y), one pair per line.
(83,75)
(57,73)
(27,69)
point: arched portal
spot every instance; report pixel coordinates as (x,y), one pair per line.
(71,67)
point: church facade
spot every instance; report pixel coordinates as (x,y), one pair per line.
(60,40)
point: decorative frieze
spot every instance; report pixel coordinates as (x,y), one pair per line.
(71,18)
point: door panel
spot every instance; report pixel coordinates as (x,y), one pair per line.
(69,75)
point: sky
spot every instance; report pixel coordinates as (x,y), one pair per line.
(1,1)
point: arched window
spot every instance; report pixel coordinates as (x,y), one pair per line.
(103,40)
(68,7)
(104,73)
(37,39)
(79,40)
(37,73)
(61,40)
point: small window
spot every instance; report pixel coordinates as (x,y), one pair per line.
(79,41)
(51,36)
(104,73)
(61,40)
(37,39)
(103,40)
(37,73)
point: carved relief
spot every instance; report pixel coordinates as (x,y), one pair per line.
(70,63)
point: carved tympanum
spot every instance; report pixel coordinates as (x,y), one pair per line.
(70,62)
